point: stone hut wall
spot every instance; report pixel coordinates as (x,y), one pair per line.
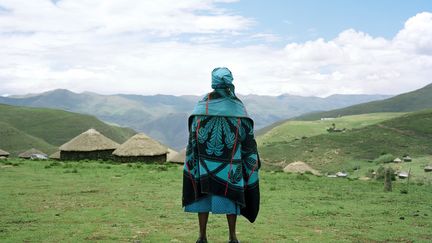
(90,155)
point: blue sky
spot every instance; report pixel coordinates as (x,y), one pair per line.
(170,47)
(303,20)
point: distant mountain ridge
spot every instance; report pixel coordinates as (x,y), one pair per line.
(412,101)
(407,102)
(164,117)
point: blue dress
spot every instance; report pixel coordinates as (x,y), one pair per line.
(214,204)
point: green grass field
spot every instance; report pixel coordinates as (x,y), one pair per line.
(293,129)
(99,202)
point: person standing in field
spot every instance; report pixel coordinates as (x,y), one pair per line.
(220,172)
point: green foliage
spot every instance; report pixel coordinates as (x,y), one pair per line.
(380,173)
(385,158)
(370,173)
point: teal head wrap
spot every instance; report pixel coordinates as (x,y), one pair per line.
(222,79)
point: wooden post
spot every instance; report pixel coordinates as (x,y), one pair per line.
(387,180)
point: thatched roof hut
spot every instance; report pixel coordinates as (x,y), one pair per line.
(403,174)
(171,154)
(55,156)
(428,168)
(141,148)
(397,160)
(4,153)
(341,174)
(88,145)
(300,167)
(28,154)
(407,159)
(179,158)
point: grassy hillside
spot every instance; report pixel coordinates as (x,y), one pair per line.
(14,140)
(291,130)
(413,101)
(408,134)
(45,129)
(97,202)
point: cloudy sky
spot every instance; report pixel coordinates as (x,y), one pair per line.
(299,47)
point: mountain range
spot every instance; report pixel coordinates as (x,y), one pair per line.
(412,101)
(164,117)
(407,102)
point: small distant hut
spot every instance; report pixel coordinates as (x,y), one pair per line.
(141,148)
(342,174)
(31,153)
(300,167)
(88,145)
(4,153)
(403,175)
(171,154)
(428,168)
(407,159)
(55,156)
(179,158)
(397,160)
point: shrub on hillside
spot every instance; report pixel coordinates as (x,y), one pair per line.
(370,173)
(356,167)
(380,173)
(385,158)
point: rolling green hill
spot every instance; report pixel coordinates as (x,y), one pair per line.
(412,101)
(14,140)
(407,134)
(291,130)
(22,128)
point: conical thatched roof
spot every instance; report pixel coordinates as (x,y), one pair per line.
(91,140)
(27,154)
(300,167)
(171,154)
(179,157)
(140,145)
(55,155)
(3,153)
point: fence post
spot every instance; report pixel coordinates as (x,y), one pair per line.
(388,180)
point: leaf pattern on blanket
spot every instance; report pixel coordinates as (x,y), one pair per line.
(237,175)
(217,128)
(250,162)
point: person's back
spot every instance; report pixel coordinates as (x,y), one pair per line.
(222,162)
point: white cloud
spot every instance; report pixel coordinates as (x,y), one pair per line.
(170,47)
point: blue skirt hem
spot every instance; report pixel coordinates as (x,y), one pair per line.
(214,204)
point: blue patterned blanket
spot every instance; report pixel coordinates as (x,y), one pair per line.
(221,156)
